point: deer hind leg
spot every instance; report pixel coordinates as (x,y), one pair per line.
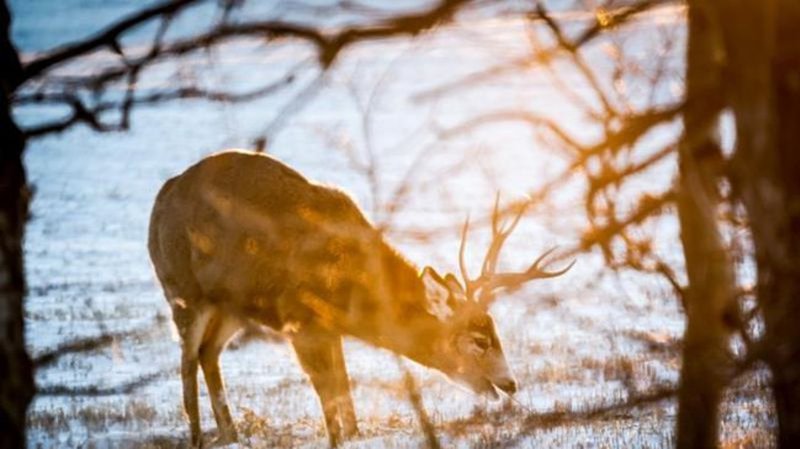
(191,327)
(219,331)
(320,355)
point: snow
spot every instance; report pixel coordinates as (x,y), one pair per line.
(89,273)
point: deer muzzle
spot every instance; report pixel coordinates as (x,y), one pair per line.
(508,386)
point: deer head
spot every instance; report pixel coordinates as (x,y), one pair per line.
(471,342)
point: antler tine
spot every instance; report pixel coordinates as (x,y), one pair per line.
(462,264)
(488,282)
(496,227)
(535,270)
(535,265)
(496,213)
(499,235)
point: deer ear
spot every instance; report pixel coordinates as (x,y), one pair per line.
(455,287)
(436,294)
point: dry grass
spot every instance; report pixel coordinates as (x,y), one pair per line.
(569,397)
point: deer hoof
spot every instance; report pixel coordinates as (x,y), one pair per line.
(223,440)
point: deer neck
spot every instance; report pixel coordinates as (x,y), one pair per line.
(399,320)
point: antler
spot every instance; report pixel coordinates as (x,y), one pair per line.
(489,281)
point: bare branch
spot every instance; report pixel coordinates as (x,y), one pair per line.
(577,59)
(94,390)
(328,45)
(83,345)
(613,19)
(648,206)
(610,20)
(90,115)
(108,37)
(297,103)
(526,117)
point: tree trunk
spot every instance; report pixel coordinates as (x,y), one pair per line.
(781,289)
(16,373)
(764,74)
(706,359)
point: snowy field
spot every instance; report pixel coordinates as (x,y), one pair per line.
(589,339)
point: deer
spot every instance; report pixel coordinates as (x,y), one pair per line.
(240,239)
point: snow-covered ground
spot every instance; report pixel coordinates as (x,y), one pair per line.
(576,341)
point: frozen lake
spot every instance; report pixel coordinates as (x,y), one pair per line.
(574,341)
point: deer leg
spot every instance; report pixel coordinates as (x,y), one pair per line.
(216,337)
(191,328)
(317,353)
(347,413)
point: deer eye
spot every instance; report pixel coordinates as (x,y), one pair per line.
(481,341)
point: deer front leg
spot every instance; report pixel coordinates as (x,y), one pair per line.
(345,407)
(320,355)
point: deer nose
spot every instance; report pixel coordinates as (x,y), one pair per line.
(508,385)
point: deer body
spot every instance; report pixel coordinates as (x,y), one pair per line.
(240,238)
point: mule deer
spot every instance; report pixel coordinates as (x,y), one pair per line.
(240,239)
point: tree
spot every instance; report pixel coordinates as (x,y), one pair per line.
(16,389)
(761,69)
(751,70)
(708,297)
(729,66)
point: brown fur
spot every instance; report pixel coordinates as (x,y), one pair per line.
(240,238)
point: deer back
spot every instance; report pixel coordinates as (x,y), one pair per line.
(246,231)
